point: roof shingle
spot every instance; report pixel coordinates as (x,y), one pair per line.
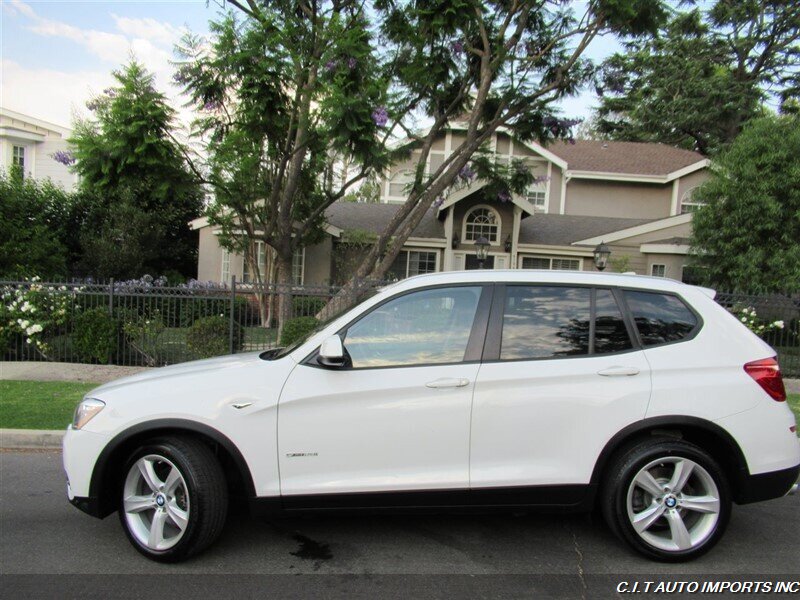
(632,158)
(563,230)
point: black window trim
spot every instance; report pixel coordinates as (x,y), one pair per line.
(475,342)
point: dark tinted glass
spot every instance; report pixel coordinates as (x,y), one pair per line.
(660,318)
(542,322)
(610,334)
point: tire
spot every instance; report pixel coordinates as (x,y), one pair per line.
(668,499)
(173,499)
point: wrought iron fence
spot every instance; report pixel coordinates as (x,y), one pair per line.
(146,323)
(772,308)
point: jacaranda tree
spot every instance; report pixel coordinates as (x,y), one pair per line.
(301,101)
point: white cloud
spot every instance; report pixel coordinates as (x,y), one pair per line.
(56,95)
(47,94)
(157,32)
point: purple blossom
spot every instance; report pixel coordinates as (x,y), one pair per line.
(64,157)
(331,65)
(380,116)
(457,47)
(110,92)
(211,105)
(540,179)
(438,202)
(181,76)
(504,196)
(93,104)
(466,173)
(351,63)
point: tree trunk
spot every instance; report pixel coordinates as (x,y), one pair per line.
(284,289)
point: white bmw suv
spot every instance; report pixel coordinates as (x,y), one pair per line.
(478,389)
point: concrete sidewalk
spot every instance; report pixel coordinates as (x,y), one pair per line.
(57,371)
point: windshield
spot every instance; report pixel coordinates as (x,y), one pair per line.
(277,353)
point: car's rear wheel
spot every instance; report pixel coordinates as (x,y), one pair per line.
(668,499)
(173,499)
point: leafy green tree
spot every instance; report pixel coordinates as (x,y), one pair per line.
(123,240)
(702,76)
(297,90)
(127,154)
(747,237)
(32,216)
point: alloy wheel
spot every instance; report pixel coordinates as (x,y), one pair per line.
(156,502)
(673,504)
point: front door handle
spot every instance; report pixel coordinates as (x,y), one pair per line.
(618,372)
(447,382)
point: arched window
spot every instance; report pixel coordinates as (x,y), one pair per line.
(482,221)
(688,203)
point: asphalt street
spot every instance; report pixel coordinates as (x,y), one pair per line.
(402,556)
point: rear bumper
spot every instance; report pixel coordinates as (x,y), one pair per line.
(766,486)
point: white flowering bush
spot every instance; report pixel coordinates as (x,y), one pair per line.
(748,316)
(32,313)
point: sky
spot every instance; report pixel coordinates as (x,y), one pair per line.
(56,55)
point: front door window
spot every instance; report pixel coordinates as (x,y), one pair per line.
(422,328)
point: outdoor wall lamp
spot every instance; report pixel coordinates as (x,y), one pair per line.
(454,243)
(481,250)
(507,244)
(601,254)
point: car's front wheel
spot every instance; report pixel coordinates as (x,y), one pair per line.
(174,498)
(668,499)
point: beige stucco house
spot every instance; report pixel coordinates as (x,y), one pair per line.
(637,198)
(31,143)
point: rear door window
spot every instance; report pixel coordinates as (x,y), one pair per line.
(660,318)
(545,322)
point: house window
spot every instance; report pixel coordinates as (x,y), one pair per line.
(481,221)
(226,265)
(688,203)
(18,158)
(413,262)
(551,264)
(536,197)
(398,184)
(298,266)
(658,270)
(260,256)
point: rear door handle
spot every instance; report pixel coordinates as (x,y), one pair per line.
(447,382)
(618,372)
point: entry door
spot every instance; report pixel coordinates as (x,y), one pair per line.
(565,378)
(398,416)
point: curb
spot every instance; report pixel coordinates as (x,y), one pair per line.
(43,439)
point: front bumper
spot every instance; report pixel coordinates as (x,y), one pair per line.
(81,450)
(91,506)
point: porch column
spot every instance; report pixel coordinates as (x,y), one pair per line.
(447,262)
(515,235)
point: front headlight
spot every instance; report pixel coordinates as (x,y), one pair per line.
(85,411)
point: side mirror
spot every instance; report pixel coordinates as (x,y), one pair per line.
(331,352)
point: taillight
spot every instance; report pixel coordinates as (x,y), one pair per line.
(767,374)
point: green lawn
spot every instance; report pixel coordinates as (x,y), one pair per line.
(39,404)
(794,404)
